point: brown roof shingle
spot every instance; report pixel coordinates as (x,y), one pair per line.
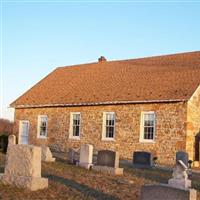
(162,78)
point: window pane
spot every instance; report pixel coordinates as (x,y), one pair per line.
(111,132)
(107,131)
(43,126)
(110,123)
(76,119)
(149,122)
(77,130)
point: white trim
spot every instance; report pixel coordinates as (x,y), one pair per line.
(71,126)
(38,127)
(20,129)
(141,139)
(104,138)
(98,103)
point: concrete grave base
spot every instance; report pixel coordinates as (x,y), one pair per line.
(165,192)
(31,183)
(85,165)
(180,183)
(108,170)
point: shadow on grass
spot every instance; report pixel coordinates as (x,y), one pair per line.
(160,176)
(87,191)
(150,174)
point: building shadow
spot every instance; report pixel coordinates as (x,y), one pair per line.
(87,191)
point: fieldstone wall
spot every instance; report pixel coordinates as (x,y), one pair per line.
(170,128)
(193,123)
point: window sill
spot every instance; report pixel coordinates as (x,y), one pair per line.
(74,138)
(108,139)
(42,137)
(148,141)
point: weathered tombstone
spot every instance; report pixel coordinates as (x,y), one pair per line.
(142,159)
(182,155)
(108,161)
(180,177)
(108,158)
(165,192)
(73,156)
(23,168)
(11,140)
(86,154)
(46,154)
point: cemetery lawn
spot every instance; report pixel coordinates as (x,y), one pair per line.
(69,182)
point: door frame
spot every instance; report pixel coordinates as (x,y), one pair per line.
(20,130)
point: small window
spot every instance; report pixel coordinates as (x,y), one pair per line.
(108,125)
(42,126)
(148,126)
(75,122)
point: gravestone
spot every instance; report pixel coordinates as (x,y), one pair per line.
(46,154)
(86,154)
(165,192)
(180,177)
(23,168)
(108,161)
(108,158)
(142,159)
(11,140)
(73,156)
(182,155)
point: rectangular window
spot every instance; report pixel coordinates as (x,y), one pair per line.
(42,126)
(148,126)
(108,125)
(75,122)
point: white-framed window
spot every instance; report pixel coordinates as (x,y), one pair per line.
(148,126)
(42,126)
(108,129)
(75,125)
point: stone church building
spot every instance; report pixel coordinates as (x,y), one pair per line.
(149,104)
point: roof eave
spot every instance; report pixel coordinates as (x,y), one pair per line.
(98,103)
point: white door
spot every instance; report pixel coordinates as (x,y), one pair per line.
(23,132)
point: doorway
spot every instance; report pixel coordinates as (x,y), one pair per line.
(23,131)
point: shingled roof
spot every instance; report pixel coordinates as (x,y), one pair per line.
(154,79)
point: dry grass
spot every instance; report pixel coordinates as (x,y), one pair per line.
(70,182)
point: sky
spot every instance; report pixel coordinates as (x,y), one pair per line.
(38,36)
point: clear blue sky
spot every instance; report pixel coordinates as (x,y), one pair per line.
(40,36)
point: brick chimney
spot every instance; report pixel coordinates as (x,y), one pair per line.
(102,59)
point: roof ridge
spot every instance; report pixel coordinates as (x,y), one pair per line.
(131,59)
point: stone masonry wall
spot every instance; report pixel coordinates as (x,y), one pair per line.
(193,122)
(170,128)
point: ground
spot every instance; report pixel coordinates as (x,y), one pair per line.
(69,182)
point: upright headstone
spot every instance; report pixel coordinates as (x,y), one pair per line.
(108,158)
(182,155)
(108,161)
(23,168)
(86,154)
(46,154)
(73,156)
(11,140)
(165,192)
(142,159)
(180,177)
